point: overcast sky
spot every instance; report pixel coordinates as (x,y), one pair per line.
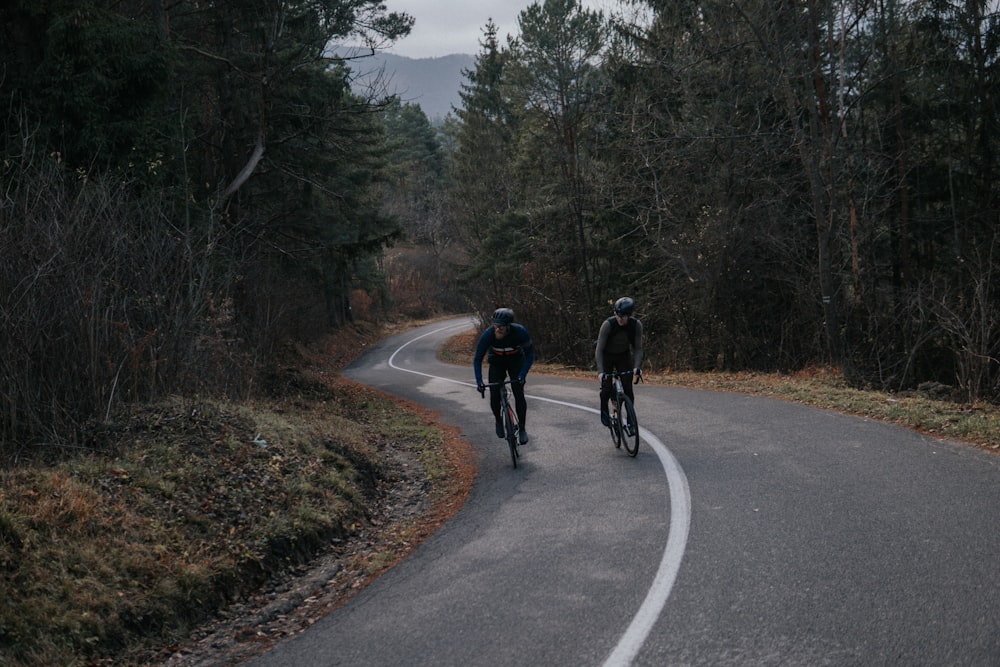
(443,27)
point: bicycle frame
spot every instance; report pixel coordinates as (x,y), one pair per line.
(509,416)
(624,423)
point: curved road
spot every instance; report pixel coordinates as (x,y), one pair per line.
(747,531)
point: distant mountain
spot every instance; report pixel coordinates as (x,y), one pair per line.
(433,83)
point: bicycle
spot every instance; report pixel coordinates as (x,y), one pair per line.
(623,430)
(509,415)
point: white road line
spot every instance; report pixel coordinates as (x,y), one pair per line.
(680,522)
(392,363)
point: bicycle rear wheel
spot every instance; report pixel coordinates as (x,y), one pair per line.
(630,425)
(510,429)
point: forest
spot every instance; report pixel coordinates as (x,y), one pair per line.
(188,186)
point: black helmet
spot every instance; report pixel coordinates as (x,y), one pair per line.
(624,306)
(503,316)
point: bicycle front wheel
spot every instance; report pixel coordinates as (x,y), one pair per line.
(630,425)
(616,425)
(510,429)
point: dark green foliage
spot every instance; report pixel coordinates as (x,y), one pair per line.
(183,186)
(90,78)
(522,164)
(414,184)
(777,185)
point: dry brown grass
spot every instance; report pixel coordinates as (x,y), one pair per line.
(978,424)
(115,558)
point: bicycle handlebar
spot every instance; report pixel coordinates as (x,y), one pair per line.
(482,388)
(499,384)
(619,374)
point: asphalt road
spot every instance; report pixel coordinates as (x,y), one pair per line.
(747,531)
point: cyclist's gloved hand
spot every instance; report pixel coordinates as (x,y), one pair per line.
(521,380)
(481,388)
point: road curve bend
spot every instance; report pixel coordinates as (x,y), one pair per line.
(748,531)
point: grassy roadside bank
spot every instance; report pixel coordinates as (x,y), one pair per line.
(115,557)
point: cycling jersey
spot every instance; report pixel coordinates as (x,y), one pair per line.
(516,342)
(616,341)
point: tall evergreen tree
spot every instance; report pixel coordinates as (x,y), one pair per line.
(417,164)
(484,196)
(554,77)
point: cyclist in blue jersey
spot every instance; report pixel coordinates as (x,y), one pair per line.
(508,349)
(619,348)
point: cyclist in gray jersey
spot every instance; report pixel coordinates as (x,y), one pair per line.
(619,348)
